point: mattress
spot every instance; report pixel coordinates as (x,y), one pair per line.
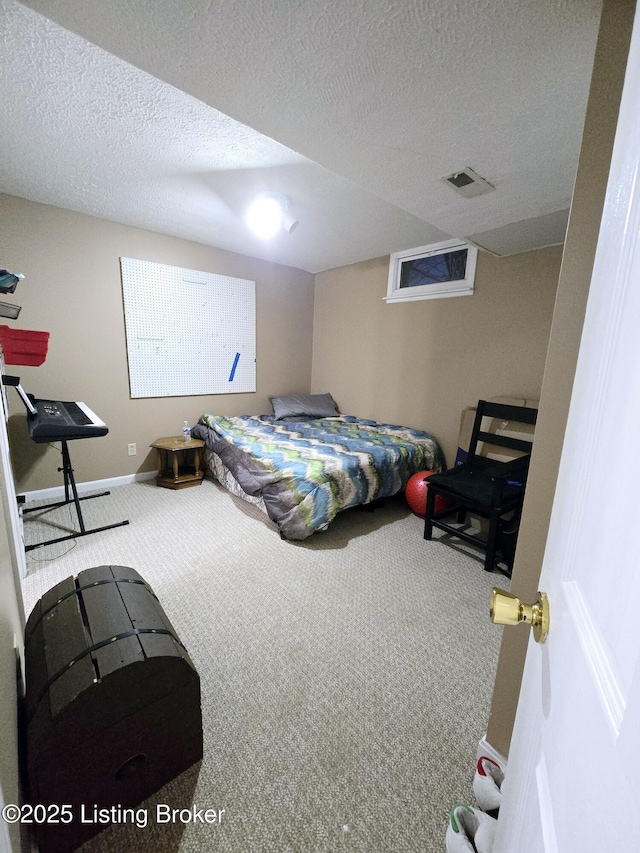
(306,471)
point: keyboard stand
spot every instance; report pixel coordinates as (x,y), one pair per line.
(70,483)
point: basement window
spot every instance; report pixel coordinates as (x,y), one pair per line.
(432,272)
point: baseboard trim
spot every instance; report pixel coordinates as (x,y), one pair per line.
(57,492)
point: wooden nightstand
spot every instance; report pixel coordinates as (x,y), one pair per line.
(178,462)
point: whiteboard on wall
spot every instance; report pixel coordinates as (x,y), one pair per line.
(188,332)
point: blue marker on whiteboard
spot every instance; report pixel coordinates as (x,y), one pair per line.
(233,369)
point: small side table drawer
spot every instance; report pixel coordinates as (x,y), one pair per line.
(179,462)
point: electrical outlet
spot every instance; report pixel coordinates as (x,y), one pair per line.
(132,449)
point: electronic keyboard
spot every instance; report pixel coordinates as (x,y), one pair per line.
(55,420)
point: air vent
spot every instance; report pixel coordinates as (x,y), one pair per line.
(468,183)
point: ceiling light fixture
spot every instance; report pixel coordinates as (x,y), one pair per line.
(289,222)
(268,213)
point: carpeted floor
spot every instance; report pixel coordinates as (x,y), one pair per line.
(346,679)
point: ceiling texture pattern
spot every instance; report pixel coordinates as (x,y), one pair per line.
(171,115)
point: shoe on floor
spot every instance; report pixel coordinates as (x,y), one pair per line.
(487,785)
(470,830)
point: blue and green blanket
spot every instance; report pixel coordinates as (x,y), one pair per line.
(307,471)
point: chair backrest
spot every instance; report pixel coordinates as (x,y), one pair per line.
(503,412)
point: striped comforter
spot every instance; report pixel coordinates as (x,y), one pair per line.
(307,471)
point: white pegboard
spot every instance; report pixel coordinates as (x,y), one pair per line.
(188,332)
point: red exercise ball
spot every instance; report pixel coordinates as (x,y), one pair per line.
(416,494)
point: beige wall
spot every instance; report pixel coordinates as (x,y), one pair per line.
(72,288)
(421,363)
(416,363)
(573,290)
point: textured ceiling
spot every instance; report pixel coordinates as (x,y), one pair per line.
(171,115)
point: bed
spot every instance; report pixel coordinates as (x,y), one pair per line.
(303,468)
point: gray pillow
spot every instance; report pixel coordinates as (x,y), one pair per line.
(309,405)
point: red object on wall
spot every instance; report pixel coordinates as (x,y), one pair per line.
(23,346)
(415,493)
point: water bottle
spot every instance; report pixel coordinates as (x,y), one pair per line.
(186,431)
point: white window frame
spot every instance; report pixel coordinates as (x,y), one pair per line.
(461,287)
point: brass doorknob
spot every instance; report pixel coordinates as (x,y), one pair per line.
(507,609)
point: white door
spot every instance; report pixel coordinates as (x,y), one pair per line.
(573,779)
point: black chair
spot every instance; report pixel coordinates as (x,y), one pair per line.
(483,486)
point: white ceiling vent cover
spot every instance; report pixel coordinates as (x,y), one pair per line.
(468,183)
